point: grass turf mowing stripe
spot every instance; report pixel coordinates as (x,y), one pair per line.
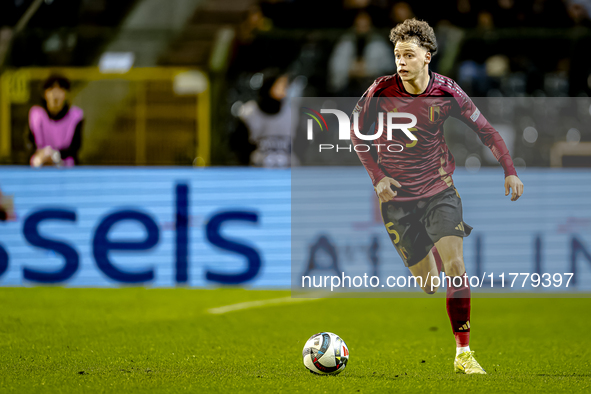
(256,304)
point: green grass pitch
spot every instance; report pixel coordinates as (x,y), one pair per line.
(131,340)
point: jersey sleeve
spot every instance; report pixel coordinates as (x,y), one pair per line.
(366,112)
(471,116)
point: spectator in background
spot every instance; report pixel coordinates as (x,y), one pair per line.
(580,12)
(6,208)
(263,136)
(358,58)
(506,13)
(485,21)
(378,10)
(55,127)
(464,15)
(401,12)
(549,14)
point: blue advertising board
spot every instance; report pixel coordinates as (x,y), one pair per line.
(157,227)
(337,228)
(104,227)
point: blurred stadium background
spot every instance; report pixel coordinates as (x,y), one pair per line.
(166,83)
(192,63)
(163,86)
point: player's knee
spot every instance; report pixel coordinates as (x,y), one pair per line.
(455,267)
(429,289)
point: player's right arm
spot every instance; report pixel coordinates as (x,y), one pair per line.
(384,189)
(366,110)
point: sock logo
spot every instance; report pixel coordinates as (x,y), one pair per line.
(465,326)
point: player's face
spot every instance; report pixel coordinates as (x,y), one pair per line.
(411,59)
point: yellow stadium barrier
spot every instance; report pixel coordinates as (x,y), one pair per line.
(163,111)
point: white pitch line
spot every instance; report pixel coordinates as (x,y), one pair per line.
(256,304)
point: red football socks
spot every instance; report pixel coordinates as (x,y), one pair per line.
(458,308)
(437,259)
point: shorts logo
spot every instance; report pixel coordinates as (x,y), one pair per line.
(434,113)
(460,227)
(404,253)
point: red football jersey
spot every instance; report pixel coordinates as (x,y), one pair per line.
(424,167)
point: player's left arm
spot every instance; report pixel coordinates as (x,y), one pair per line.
(471,115)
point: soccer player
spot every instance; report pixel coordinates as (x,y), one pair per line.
(420,206)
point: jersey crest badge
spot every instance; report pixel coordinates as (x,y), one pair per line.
(434,113)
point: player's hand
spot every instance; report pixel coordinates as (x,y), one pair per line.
(515,185)
(384,190)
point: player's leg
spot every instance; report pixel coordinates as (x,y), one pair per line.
(450,250)
(438,262)
(444,223)
(427,270)
(458,299)
(412,242)
(458,289)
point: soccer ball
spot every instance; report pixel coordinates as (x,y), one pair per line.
(325,354)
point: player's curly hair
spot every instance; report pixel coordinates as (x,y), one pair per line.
(417,31)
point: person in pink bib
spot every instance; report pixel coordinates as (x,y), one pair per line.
(55,127)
